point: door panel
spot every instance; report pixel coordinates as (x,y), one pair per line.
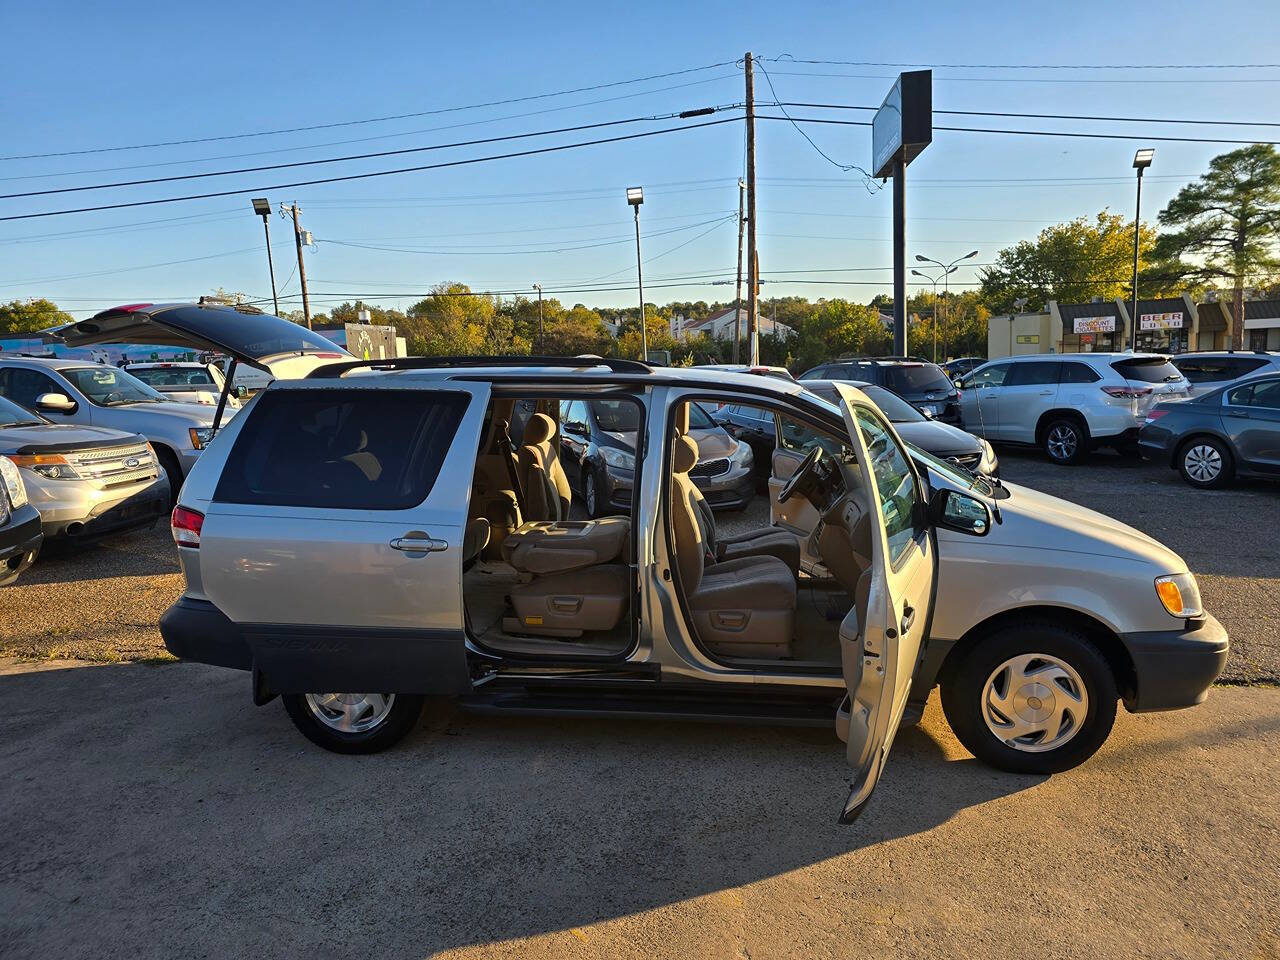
(334,596)
(1255,428)
(1029,390)
(980,400)
(882,640)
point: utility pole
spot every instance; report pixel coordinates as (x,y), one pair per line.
(541,347)
(302,269)
(737,296)
(753,265)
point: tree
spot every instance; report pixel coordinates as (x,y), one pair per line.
(453,320)
(29,316)
(1225,226)
(1070,261)
(350,313)
(837,327)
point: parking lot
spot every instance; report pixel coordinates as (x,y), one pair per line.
(149,809)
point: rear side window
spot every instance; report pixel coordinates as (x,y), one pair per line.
(1073,372)
(1032,372)
(1265,393)
(817,373)
(1147,369)
(914,378)
(342,449)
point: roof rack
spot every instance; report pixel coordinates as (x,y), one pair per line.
(866,356)
(334,370)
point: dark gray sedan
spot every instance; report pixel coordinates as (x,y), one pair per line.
(1228,432)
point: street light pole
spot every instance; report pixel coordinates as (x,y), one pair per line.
(635,197)
(934,281)
(541,341)
(1141,160)
(262,207)
(947,270)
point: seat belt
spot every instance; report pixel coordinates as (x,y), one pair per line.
(509,457)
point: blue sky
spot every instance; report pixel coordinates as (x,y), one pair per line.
(83,76)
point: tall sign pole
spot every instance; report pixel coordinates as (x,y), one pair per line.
(753,278)
(901,129)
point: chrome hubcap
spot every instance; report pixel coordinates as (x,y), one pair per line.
(1062,442)
(351,712)
(1203,463)
(1035,702)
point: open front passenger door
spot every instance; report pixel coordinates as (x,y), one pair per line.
(883,637)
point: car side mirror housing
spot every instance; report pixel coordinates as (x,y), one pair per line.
(56,403)
(953,510)
(575,427)
(241,392)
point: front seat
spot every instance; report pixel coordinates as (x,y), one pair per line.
(767,542)
(741,608)
(545,484)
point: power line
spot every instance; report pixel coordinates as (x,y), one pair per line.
(365,176)
(367,120)
(787,58)
(1056,80)
(361,156)
(1045,116)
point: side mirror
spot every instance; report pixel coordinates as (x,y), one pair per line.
(241,392)
(576,427)
(56,403)
(953,510)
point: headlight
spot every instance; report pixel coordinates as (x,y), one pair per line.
(13,483)
(200,437)
(742,454)
(1180,595)
(618,458)
(48,465)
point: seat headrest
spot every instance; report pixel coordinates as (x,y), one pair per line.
(685,454)
(682,419)
(539,429)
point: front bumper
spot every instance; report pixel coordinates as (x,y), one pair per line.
(78,510)
(1175,668)
(736,487)
(20,541)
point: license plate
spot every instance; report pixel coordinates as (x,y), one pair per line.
(930,409)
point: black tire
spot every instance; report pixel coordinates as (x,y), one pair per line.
(400,719)
(1065,440)
(591,493)
(1196,463)
(962,696)
(172,471)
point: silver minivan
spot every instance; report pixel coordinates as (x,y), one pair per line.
(372,529)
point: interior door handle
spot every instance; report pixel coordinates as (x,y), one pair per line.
(908,617)
(419,544)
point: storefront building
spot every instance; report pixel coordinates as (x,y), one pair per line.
(1262,324)
(1166,325)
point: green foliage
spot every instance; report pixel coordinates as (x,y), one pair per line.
(350,313)
(1071,262)
(453,320)
(29,316)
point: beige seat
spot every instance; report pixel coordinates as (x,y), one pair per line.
(768,542)
(542,478)
(741,608)
(493,495)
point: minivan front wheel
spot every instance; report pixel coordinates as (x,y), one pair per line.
(353,722)
(1032,698)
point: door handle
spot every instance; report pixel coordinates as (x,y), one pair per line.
(908,617)
(1244,415)
(1046,393)
(419,544)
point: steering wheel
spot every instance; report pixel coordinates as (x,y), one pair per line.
(798,478)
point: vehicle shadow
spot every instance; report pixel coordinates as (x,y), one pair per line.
(142,553)
(141,781)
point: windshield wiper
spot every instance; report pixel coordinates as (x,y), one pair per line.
(23,423)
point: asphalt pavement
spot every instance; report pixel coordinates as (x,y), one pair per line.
(152,811)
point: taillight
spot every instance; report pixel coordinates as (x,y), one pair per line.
(1127,393)
(185,525)
(1156,414)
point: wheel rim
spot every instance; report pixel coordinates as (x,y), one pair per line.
(351,712)
(1203,463)
(1035,702)
(591,494)
(1062,442)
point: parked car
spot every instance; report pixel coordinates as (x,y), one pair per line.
(252,379)
(782,373)
(20,534)
(188,380)
(1233,431)
(922,384)
(1068,404)
(330,556)
(86,482)
(1209,370)
(960,366)
(940,439)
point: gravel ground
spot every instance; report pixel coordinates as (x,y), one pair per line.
(102,603)
(153,812)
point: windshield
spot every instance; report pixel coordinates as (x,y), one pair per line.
(895,409)
(1147,369)
(616,416)
(174,376)
(12,415)
(917,378)
(111,386)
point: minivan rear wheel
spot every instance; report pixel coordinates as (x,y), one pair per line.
(1032,697)
(353,722)
(1065,440)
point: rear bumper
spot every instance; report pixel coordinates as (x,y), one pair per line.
(197,630)
(20,543)
(1175,668)
(1156,443)
(1128,435)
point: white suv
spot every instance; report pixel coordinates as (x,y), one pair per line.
(1067,404)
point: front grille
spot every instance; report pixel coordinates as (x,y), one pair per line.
(108,466)
(710,468)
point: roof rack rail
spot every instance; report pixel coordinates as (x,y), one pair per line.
(334,370)
(867,356)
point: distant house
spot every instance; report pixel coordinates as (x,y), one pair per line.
(720,326)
